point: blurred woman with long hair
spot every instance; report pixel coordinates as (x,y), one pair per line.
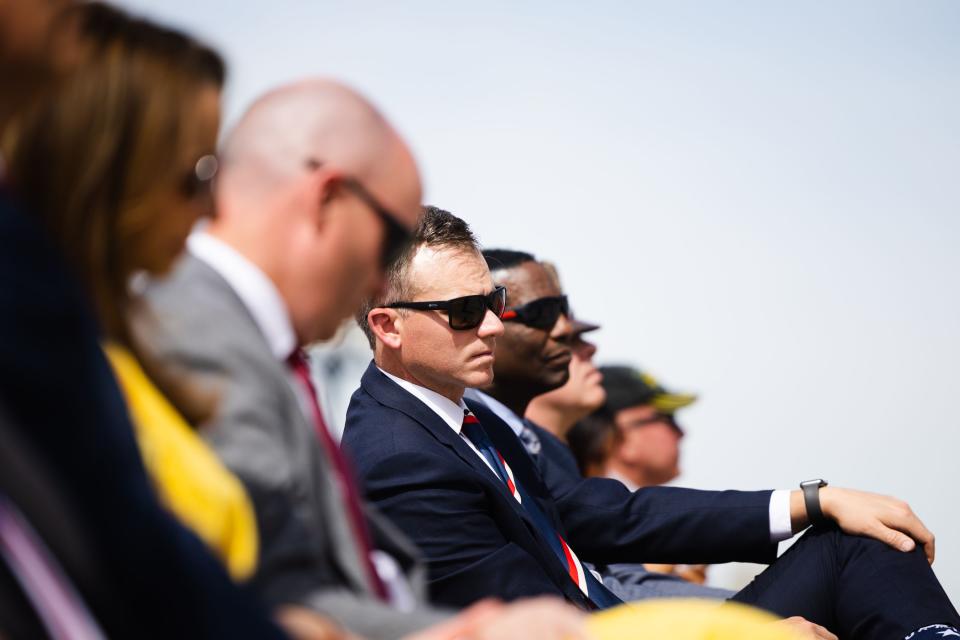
(118,168)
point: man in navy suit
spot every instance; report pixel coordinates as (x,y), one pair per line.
(469,495)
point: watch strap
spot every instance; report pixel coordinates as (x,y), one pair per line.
(811,500)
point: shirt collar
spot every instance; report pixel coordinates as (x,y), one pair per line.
(499,409)
(449,411)
(257,292)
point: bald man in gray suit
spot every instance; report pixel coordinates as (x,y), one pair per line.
(316,193)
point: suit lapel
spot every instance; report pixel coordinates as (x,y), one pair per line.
(307,454)
(389,393)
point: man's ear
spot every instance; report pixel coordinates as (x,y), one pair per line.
(323,191)
(385,324)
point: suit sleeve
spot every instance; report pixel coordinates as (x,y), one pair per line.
(292,567)
(447,515)
(607,523)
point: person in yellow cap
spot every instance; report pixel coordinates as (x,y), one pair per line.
(634,437)
(645,447)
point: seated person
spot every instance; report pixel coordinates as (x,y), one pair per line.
(465,490)
(536,283)
(299,238)
(634,437)
(558,410)
(138,222)
(539,327)
(141,574)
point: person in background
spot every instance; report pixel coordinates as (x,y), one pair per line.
(558,410)
(645,448)
(530,283)
(145,110)
(131,569)
(634,437)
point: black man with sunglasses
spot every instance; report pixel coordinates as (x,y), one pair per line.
(538,326)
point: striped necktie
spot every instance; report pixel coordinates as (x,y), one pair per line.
(587,583)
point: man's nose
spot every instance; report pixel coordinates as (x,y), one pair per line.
(586,350)
(562,328)
(491,325)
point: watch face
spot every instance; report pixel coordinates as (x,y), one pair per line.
(818,482)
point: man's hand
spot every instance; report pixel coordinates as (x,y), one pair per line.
(868,514)
(301,623)
(806,629)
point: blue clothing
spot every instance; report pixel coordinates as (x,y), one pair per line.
(856,587)
(480,542)
(598,594)
(629,581)
(157,579)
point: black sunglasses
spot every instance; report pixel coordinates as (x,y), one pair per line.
(396,237)
(463,313)
(657,418)
(541,313)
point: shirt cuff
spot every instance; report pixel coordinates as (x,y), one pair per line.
(780,527)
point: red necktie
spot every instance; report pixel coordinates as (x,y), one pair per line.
(348,486)
(474,432)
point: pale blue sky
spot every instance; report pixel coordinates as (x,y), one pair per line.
(759,200)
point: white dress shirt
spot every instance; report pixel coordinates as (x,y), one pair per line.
(264,302)
(779,510)
(499,409)
(449,411)
(257,292)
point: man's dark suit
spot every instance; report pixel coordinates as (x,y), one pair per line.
(480,542)
(158,580)
(558,468)
(854,586)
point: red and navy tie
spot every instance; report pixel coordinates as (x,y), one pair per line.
(588,584)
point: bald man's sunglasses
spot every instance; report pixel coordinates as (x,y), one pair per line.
(396,237)
(541,313)
(463,313)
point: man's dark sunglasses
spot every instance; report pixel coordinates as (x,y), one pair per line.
(541,313)
(396,237)
(657,418)
(463,313)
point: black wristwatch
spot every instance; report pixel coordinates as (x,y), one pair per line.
(811,499)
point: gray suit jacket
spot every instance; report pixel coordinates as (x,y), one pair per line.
(308,554)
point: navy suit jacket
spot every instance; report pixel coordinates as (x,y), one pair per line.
(480,542)
(155,578)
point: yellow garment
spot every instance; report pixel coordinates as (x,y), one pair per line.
(680,619)
(191,480)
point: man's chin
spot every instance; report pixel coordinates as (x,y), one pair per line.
(479,379)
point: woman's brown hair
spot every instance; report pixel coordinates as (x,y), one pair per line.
(87,161)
